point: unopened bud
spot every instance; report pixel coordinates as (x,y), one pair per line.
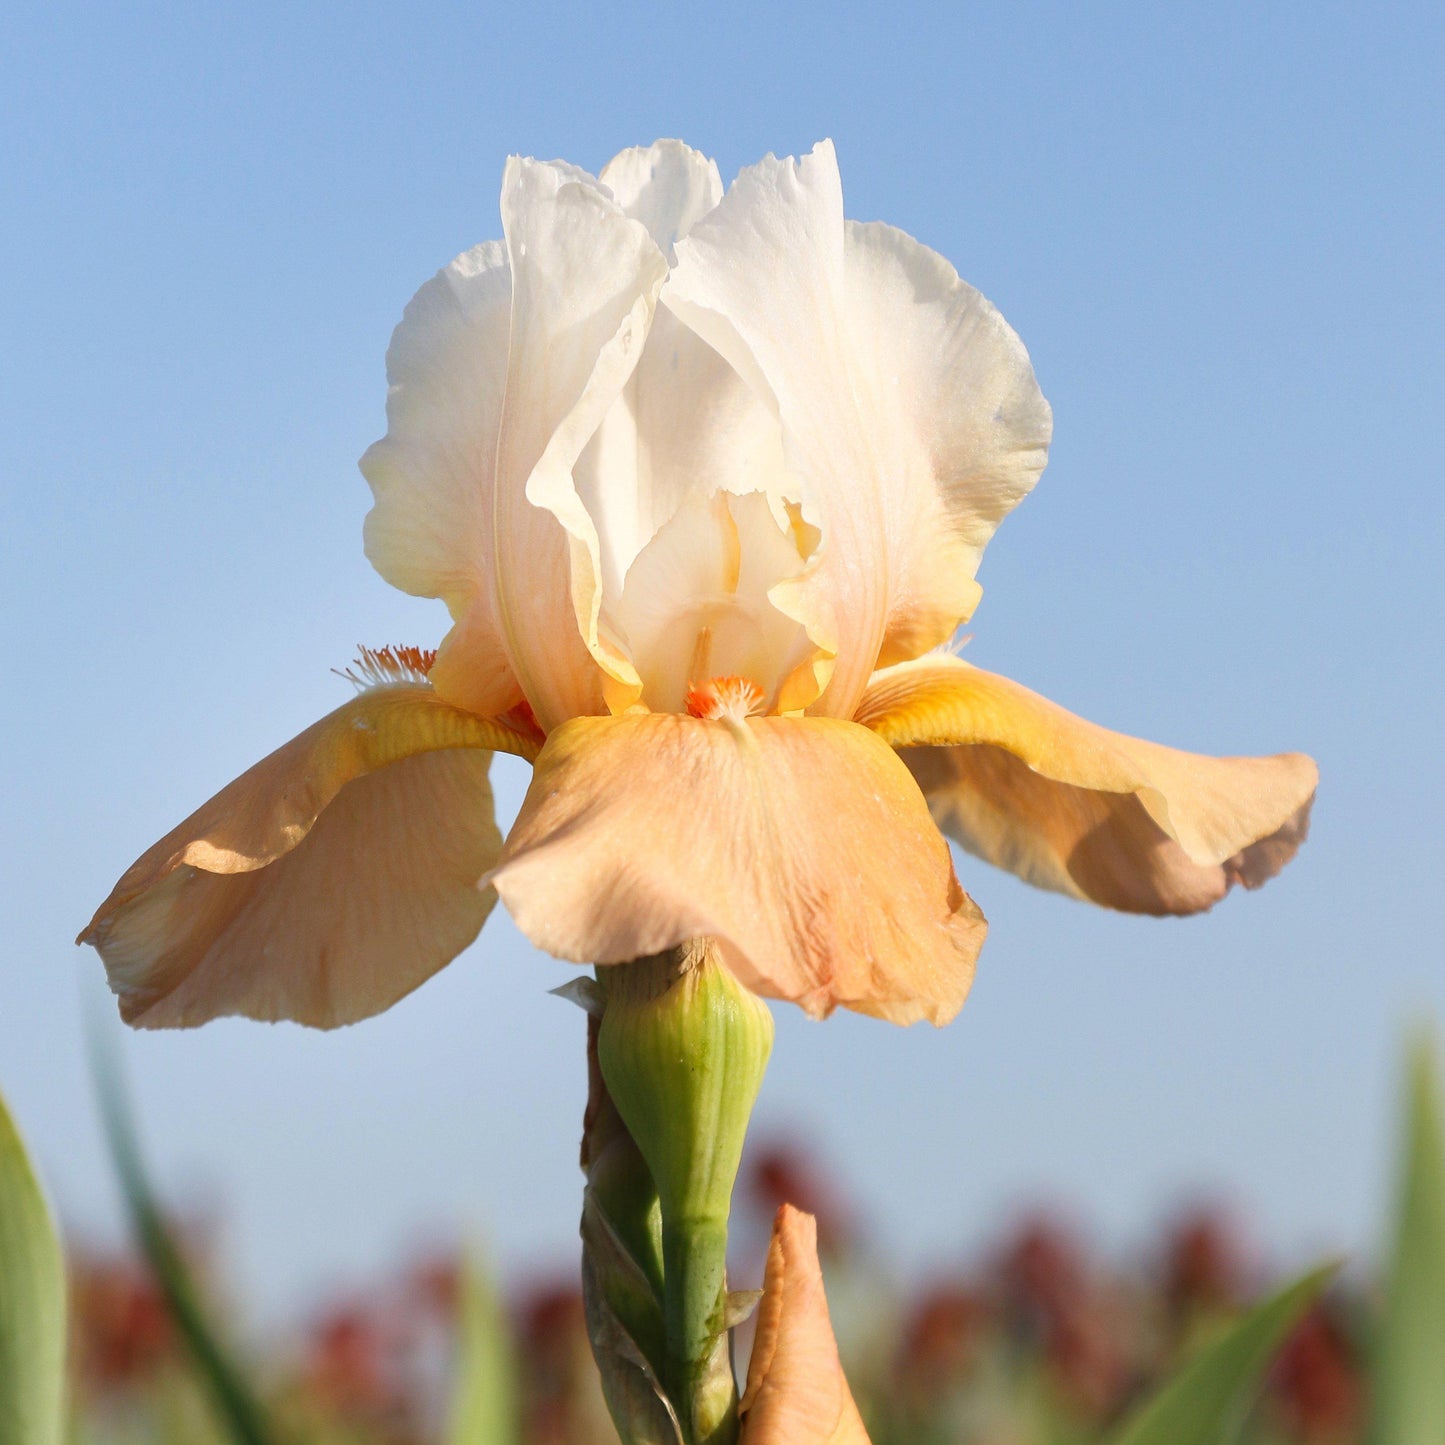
(682,1047)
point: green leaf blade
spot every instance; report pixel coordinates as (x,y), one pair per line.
(32,1302)
(1409,1374)
(1206,1402)
(484,1398)
(235,1403)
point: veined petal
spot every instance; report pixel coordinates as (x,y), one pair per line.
(1074,807)
(695,604)
(685,427)
(959,426)
(800,843)
(667,186)
(797,1393)
(585,280)
(433,474)
(909,412)
(324,883)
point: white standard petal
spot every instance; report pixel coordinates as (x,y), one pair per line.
(908,410)
(686,426)
(432,475)
(585,280)
(957,423)
(667,186)
(696,607)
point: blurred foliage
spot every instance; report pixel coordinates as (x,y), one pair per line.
(228,1388)
(484,1400)
(1042,1340)
(32,1302)
(1208,1400)
(1410,1370)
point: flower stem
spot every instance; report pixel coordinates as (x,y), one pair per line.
(698,1367)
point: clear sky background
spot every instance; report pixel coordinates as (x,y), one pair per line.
(1217,227)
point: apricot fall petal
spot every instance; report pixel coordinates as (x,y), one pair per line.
(323,884)
(801,844)
(1074,807)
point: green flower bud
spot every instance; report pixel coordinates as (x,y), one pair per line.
(682,1048)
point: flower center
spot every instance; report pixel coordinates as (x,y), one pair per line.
(726,698)
(696,602)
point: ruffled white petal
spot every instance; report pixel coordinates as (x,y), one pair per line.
(695,605)
(686,426)
(432,475)
(667,186)
(585,279)
(545,424)
(959,427)
(500,372)
(908,410)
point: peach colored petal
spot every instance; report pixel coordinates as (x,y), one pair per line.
(800,843)
(797,1393)
(322,885)
(472,670)
(1071,806)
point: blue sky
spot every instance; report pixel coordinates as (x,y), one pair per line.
(1218,229)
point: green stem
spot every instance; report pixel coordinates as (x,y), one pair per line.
(694,1256)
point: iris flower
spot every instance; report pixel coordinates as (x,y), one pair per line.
(703,480)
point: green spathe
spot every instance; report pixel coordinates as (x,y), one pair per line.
(682,1049)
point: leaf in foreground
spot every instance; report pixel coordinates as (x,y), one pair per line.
(1409,1376)
(32,1302)
(1207,1402)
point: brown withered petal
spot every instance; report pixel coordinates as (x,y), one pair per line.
(797,1393)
